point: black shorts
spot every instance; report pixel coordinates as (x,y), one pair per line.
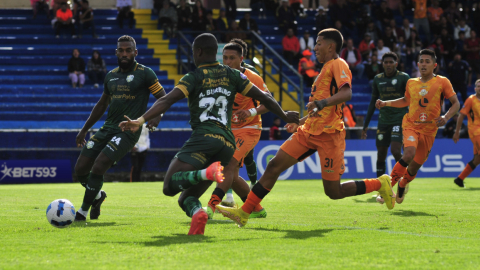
(114,143)
(386,133)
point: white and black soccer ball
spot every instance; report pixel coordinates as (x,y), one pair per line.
(61,213)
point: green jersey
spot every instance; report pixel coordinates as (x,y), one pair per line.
(252,68)
(211,91)
(129,92)
(388,88)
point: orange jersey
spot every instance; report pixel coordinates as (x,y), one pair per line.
(471,109)
(334,75)
(246,103)
(426,101)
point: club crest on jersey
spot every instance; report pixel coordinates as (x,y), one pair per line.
(90,145)
(394,81)
(235,118)
(129,78)
(243,76)
(380,137)
(423,117)
(423,92)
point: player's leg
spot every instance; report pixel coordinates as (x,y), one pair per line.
(190,203)
(410,142)
(382,141)
(251,167)
(470,165)
(382,152)
(82,168)
(396,139)
(242,189)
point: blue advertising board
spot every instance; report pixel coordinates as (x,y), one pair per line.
(35,171)
(446,159)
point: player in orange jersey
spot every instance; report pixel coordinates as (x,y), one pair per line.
(424,96)
(246,127)
(322,131)
(471,109)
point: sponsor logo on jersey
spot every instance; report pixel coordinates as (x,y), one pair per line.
(380,137)
(423,117)
(90,145)
(382,83)
(114,79)
(394,81)
(130,78)
(343,74)
(411,138)
(329,171)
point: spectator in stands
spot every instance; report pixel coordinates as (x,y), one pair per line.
(275,133)
(396,31)
(444,25)
(366,46)
(448,44)
(467,15)
(234,32)
(373,68)
(310,4)
(210,23)
(286,17)
(372,31)
(451,126)
(184,14)
(459,71)
(381,49)
(439,50)
(248,24)
(396,5)
(76,69)
(462,26)
(291,47)
(341,11)
(350,119)
(139,154)
(472,49)
(414,45)
(297,7)
(460,43)
(307,42)
(77,4)
(56,5)
(259,6)
(344,30)
(85,19)
(124,8)
(223,22)
(420,19)
(40,5)
(96,69)
(231,9)
(199,16)
(406,28)
(384,15)
(167,18)
(401,51)
(389,39)
(321,19)
(353,57)
(64,20)
(434,14)
(307,68)
(452,13)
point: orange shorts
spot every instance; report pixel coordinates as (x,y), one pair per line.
(330,148)
(246,139)
(476,144)
(422,143)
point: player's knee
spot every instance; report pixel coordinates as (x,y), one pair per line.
(333,195)
(273,167)
(167,192)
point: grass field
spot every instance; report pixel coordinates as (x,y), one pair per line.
(437,227)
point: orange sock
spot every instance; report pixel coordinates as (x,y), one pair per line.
(466,172)
(257,208)
(398,171)
(251,202)
(407,178)
(214,200)
(372,185)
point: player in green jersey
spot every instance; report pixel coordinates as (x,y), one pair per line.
(388,85)
(211,91)
(126,91)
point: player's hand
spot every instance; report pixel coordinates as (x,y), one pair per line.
(364,134)
(312,109)
(456,137)
(291,127)
(441,121)
(292,117)
(130,125)
(379,104)
(153,124)
(243,114)
(80,139)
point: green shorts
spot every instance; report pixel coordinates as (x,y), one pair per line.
(386,133)
(114,143)
(203,149)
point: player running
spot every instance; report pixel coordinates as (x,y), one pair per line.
(211,91)
(322,130)
(471,109)
(424,96)
(388,85)
(126,89)
(247,129)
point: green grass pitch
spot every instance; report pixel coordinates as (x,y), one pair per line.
(437,227)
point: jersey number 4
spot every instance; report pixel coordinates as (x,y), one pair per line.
(219,113)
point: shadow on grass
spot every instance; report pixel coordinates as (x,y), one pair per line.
(410,213)
(294,234)
(369,200)
(94,224)
(469,189)
(179,239)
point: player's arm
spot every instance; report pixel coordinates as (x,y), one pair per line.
(371,108)
(397,103)
(152,124)
(456,136)
(158,108)
(344,94)
(291,127)
(97,113)
(442,120)
(271,104)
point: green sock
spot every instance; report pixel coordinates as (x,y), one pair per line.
(83,179)
(230,191)
(94,185)
(191,205)
(180,181)
(251,170)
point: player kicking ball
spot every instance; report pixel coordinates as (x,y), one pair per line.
(322,131)
(471,109)
(424,96)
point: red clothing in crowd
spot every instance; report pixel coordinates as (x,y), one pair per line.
(291,44)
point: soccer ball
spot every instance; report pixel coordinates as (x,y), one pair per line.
(61,213)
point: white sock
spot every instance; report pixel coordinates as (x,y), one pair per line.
(203,174)
(84,213)
(99,195)
(230,197)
